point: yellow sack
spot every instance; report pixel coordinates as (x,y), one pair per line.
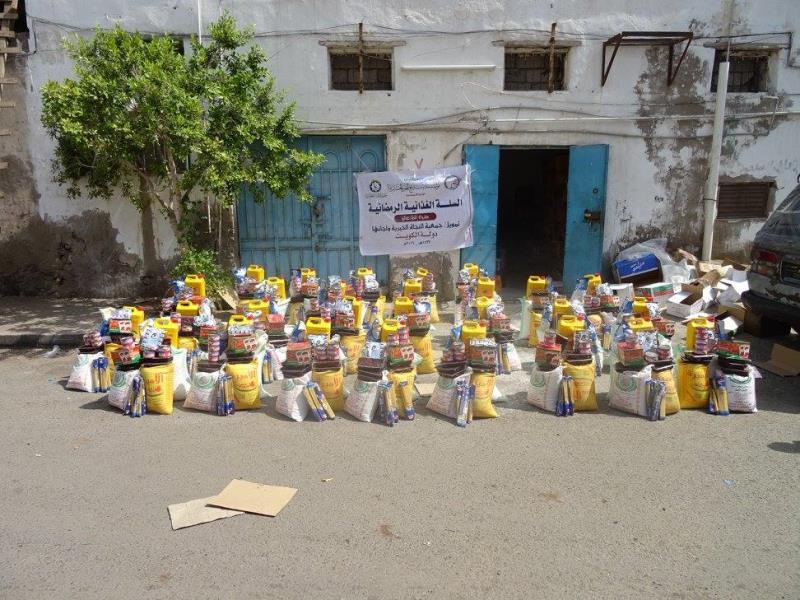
(533,336)
(332,385)
(158,387)
(107,350)
(670,401)
(424,347)
(583,392)
(293,312)
(246,384)
(188,343)
(403,393)
(434,309)
(380,307)
(353,345)
(482,407)
(693,388)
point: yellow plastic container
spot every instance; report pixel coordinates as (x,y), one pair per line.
(593,280)
(403,305)
(256,273)
(280,285)
(307,272)
(481,303)
(561,307)
(188,343)
(170,327)
(318,326)
(197,283)
(472,269)
(412,286)
(137,316)
(536,283)
(239,320)
(380,307)
(692,327)
(640,306)
(187,308)
(422,272)
(486,287)
(389,327)
(569,324)
(254,305)
(472,330)
(536,321)
(358,309)
(362,272)
(638,324)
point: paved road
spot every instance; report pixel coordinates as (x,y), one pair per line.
(527,505)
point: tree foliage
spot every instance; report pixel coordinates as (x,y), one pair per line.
(141,118)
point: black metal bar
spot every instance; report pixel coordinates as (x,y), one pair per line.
(606,71)
(670,74)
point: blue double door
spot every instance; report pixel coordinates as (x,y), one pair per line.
(282,234)
(586,200)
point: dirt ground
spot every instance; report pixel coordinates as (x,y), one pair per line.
(601,505)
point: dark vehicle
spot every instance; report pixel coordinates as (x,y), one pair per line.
(774,276)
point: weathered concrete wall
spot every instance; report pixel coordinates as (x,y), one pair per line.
(658,136)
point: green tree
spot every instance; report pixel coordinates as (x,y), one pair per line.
(164,128)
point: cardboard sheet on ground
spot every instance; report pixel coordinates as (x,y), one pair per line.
(255,498)
(195,512)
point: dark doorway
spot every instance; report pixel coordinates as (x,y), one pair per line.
(532,213)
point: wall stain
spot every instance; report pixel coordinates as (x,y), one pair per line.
(73,257)
(438,263)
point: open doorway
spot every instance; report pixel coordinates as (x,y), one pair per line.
(532,213)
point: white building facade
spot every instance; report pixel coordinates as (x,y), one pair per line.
(577,155)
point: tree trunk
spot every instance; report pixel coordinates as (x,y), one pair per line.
(228,242)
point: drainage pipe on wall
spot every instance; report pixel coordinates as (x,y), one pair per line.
(712,183)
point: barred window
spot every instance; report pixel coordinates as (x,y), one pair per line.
(744,200)
(374,72)
(748,70)
(528,69)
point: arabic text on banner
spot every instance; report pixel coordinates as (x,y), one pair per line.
(404,212)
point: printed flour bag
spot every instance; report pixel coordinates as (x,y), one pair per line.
(423,347)
(514,361)
(482,407)
(525,318)
(362,400)
(693,385)
(121,391)
(203,393)
(246,384)
(158,387)
(181,381)
(671,402)
(332,385)
(81,376)
(583,391)
(741,392)
(291,402)
(628,390)
(403,382)
(443,399)
(352,346)
(544,387)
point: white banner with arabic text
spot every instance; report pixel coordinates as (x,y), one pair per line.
(411,212)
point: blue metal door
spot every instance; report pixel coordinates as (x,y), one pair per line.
(484,161)
(586,202)
(283,234)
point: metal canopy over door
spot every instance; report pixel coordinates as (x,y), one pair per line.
(283,234)
(484,161)
(586,201)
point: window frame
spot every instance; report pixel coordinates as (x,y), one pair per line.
(769,56)
(769,200)
(354,50)
(561,51)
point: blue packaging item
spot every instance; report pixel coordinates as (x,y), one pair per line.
(625,269)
